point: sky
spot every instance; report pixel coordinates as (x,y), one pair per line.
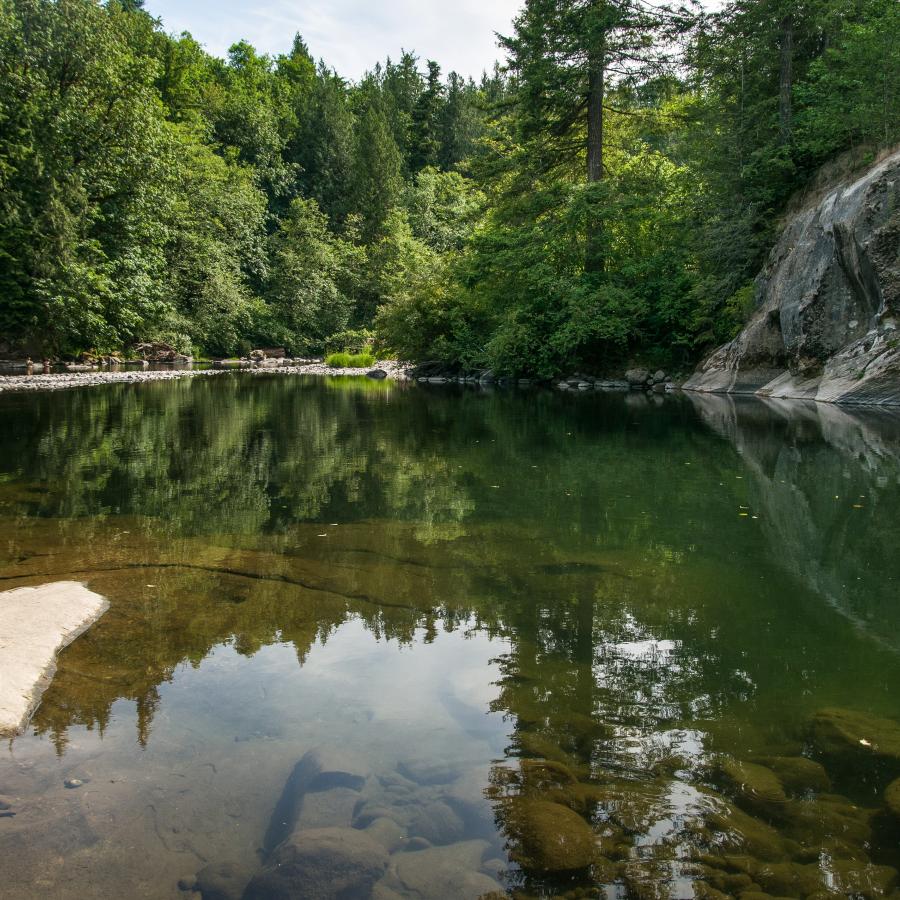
(350,35)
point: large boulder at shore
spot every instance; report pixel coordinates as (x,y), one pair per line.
(321,864)
(827,302)
(35,624)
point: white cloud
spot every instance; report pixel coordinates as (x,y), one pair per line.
(350,35)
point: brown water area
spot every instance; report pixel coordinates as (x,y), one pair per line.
(372,639)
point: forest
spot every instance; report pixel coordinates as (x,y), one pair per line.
(609,192)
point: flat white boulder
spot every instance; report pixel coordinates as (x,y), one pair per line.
(35,624)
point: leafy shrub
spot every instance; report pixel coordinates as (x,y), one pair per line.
(350,360)
(353,341)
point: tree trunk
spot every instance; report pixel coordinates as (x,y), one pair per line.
(785,81)
(596,91)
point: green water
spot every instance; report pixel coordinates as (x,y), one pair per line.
(578,643)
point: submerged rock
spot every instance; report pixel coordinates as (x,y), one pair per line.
(831,823)
(858,742)
(440,872)
(438,824)
(321,769)
(332,808)
(386,832)
(321,864)
(548,837)
(430,771)
(756,784)
(892,797)
(798,774)
(221,881)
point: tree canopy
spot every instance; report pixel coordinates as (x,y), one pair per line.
(608,193)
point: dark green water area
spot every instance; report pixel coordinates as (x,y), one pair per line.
(386,640)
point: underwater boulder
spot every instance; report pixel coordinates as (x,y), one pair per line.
(892,797)
(438,824)
(321,769)
(798,774)
(321,864)
(862,745)
(829,822)
(440,872)
(430,771)
(734,832)
(221,881)
(548,837)
(758,786)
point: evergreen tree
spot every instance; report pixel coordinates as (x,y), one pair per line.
(426,122)
(323,147)
(377,166)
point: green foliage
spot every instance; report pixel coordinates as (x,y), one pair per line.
(612,193)
(354,340)
(350,360)
(307,287)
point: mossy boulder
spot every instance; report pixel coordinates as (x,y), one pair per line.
(829,822)
(855,879)
(858,742)
(789,879)
(892,797)
(538,746)
(736,832)
(548,837)
(545,774)
(798,774)
(755,784)
(846,878)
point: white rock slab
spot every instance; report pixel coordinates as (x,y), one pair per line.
(35,624)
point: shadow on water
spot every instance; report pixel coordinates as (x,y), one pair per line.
(578,644)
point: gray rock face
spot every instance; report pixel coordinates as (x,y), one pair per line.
(828,303)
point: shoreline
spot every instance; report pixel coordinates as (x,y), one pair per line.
(394,371)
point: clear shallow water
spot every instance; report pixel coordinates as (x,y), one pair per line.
(507,605)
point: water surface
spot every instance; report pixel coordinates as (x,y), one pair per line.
(632,609)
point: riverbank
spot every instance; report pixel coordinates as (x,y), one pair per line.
(388,369)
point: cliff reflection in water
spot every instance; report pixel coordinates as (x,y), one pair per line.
(673,589)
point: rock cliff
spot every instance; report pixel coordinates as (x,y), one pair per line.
(828,303)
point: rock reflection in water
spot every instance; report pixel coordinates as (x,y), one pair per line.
(582,646)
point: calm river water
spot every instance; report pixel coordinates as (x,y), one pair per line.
(540,644)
